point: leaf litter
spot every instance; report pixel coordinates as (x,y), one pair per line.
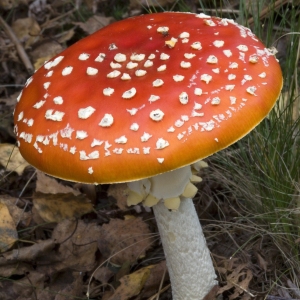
(59,240)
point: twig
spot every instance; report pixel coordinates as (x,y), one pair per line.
(20,49)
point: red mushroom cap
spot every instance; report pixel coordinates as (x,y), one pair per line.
(144,96)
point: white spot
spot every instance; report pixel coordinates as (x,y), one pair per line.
(228,53)
(196,46)
(54,116)
(121,140)
(180,136)
(112,47)
(145,137)
(185,64)
(153,98)
(218,44)
(119,57)
(171,43)
(133,151)
(189,55)
(100,57)
(28,81)
(131,65)
(49,74)
(19,97)
(197,114)
(205,77)
(113,74)
(66,132)
(81,134)
(30,122)
(67,71)
(212,59)
(149,26)
(216,70)
(178,78)
(84,113)
(203,16)
(231,77)
(129,94)
(107,120)
(151,56)
(253,58)
(156,115)
(20,116)
(247,77)
(125,76)
(92,155)
(164,56)
(83,56)
(198,91)
(108,91)
(160,160)
(215,101)
(132,111)
(73,150)
(137,57)
(46,85)
(96,143)
(140,73)
(115,65)
(53,63)
(146,150)
(171,129)
(148,63)
(184,98)
(157,83)
(39,104)
(184,35)
(118,150)
(134,127)
(216,140)
(262,75)
(232,100)
(90,170)
(179,123)
(251,90)
(161,143)
(242,48)
(229,87)
(210,22)
(233,65)
(185,41)
(58,100)
(197,105)
(163,29)
(162,68)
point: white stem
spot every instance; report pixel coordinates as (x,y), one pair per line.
(188,259)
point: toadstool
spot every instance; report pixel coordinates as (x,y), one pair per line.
(142,101)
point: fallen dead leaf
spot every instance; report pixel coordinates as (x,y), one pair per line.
(57,207)
(94,23)
(48,185)
(124,240)
(119,192)
(132,284)
(27,30)
(8,232)
(11,158)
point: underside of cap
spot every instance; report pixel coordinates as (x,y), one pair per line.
(144,96)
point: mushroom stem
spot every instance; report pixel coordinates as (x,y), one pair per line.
(188,259)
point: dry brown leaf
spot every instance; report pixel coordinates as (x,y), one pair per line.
(8,232)
(94,23)
(149,3)
(124,241)
(11,158)
(57,207)
(18,214)
(132,284)
(119,192)
(78,245)
(158,273)
(27,30)
(48,185)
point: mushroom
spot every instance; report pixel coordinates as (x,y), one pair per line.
(142,101)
